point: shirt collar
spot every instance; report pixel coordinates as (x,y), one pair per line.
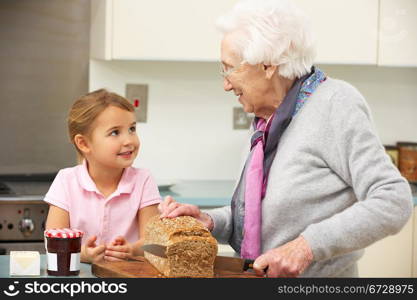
(125,186)
(127,183)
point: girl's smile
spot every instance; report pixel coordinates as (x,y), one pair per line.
(126,155)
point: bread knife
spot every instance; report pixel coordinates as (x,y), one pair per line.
(233,264)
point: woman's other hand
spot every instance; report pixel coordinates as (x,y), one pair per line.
(90,252)
(119,250)
(289,260)
(169,208)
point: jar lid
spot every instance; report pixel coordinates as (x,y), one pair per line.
(63,233)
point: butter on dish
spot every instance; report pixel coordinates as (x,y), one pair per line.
(25,263)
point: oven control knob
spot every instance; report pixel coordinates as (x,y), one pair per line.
(26,225)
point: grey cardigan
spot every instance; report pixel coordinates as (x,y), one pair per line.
(331,182)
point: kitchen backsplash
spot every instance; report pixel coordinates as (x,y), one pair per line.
(189,132)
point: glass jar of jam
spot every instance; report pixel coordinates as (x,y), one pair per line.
(63,250)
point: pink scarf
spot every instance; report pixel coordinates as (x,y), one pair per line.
(251,244)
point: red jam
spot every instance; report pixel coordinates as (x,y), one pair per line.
(63,248)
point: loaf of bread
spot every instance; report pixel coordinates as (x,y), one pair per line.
(190,247)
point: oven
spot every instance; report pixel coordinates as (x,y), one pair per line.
(33,117)
(23,213)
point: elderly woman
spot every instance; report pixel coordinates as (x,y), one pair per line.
(317,186)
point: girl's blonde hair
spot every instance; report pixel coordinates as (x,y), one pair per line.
(87,108)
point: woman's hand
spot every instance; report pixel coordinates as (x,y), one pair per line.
(169,208)
(289,260)
(119,250)
(90,252)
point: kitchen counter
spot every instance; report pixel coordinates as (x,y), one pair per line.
(203,193)
(85,269)
(213,193)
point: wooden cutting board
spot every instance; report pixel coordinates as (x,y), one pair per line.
(141,268)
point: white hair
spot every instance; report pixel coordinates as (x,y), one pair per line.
(273,32)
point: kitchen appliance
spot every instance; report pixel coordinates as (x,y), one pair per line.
(23,213)
(43,69)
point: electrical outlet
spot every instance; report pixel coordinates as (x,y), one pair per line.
(241,119)
(137,94)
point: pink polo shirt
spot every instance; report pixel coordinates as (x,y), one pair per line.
(74,191)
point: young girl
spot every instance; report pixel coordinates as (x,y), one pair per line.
(105,196)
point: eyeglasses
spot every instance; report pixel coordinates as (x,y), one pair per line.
(226,73)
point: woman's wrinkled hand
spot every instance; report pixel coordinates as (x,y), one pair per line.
(90,252)
(169,208)
(119,250)
(289,260)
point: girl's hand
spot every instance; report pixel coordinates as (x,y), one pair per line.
(92,253)
(119,250)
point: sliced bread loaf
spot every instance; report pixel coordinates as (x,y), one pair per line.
(190,247)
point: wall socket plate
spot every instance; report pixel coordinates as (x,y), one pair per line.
(241,119)
(137,94)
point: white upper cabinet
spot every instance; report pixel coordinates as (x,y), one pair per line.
(398,33)
(101,29)
(346,31)
(167,30)
(158,29)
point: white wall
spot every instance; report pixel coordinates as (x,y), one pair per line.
(391,94)
(189,132)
